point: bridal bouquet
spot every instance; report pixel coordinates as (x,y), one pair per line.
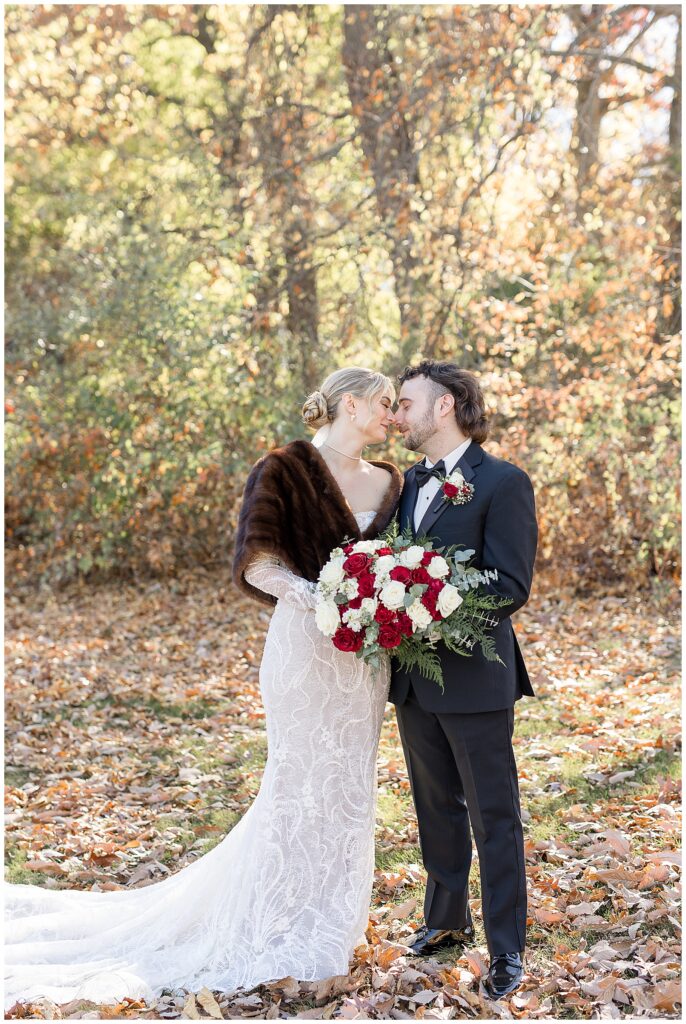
(403,595)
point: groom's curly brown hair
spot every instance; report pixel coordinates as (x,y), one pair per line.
(470,408)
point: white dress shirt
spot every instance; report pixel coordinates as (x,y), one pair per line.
(428,492)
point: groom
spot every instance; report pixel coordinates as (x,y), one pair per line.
(457,743)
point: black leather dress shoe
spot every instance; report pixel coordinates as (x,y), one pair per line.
(504,975)
(427,941)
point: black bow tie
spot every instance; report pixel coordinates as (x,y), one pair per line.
(423,474)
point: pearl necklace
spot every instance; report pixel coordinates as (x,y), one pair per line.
(355,458)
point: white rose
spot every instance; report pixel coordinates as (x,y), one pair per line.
(421,616)
(365,547)
(393,595)
(384,564)
(332,573)
(353,618)
(327,618)
(448,600)
(438,568)
(412,557)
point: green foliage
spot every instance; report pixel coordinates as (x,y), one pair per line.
(422,658)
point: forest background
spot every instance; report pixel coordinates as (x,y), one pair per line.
(210,207)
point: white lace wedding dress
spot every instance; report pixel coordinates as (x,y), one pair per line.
(285,893)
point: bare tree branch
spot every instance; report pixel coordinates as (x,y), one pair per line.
(598,55)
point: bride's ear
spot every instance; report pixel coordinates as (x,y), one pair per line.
(348,402)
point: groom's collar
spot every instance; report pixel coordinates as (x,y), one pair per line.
(452,458)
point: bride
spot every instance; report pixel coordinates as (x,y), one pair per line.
(287,891)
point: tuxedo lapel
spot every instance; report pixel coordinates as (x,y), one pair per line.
(472,458)
(467,466)
(407,501)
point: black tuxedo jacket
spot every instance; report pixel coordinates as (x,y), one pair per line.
(499,523)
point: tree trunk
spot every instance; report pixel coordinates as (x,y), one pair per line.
(586,137)
(282,139)
(669,315)
(285,140)
(386,137)
(589,111)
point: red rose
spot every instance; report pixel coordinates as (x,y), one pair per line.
(342,609)
(405,623)
(401,574)
(420,575)
(356,564)
(429,601)
(427,556)
(366,585)
(390,636)
(450,490)
(385,551)
(346,639)
(347,548)
(355,603)
(436,586)
(384,615)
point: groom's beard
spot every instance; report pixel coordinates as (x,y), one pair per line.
(417,436)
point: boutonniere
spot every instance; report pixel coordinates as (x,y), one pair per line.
(455,488)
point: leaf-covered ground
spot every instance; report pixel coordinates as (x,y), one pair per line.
(135,740)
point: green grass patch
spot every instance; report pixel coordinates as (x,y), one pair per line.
(16,777)
(529,727)
(192,710)
(394,858)
(210,828)
(393,808)
(223,821)
(15,870)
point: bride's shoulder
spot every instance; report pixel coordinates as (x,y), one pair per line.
(382,470)
(388,478)
(379,472)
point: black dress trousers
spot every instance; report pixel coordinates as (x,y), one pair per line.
(462,769)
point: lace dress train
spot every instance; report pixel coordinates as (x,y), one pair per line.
(286,892)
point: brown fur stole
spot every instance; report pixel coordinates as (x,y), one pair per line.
(294,509)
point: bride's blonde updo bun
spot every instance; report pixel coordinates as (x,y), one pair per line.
(321,406)
(315,411)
